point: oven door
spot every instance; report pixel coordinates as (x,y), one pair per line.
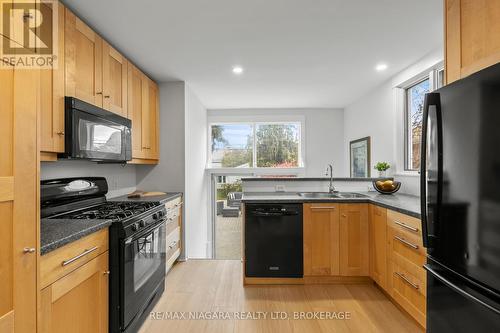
(143,270)
(97,135)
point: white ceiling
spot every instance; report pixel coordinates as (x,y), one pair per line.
(296,53)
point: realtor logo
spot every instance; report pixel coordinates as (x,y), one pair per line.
(30,34)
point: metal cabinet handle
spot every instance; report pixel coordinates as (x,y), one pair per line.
(172,245)
(322,207)
(405,242)
(99,93)
(84,253)
(106,272)
(29,250)
(406,226)
(405,279)
(106,96)
(146,147)
(61,133)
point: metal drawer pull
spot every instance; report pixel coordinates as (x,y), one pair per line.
(29,250)
(172,245)
(405,279)
(406,226)
(405,242)
(322,207)
(84,253)
(178,204)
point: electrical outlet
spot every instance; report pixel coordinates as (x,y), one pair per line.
(279,188)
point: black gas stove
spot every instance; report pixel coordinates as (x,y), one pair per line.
(137,243)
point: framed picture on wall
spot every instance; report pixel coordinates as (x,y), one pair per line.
(359,151)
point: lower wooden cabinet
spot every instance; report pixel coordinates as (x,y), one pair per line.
(354,240)
(78,302)
(378,245)
(321,239)
(174,231)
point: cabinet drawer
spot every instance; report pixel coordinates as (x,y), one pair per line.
(173,242)
(66,259)
(407,287)
(407,245)
(173,204)
(404,223)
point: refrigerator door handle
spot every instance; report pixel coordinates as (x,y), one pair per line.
(431,99)
(456,288)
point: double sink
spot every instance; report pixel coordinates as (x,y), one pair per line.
(334,195)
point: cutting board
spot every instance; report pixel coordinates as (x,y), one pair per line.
(142,194)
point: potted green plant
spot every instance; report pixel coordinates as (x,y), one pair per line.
(382,168)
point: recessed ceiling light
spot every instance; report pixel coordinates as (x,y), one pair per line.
(381,67)
(237,70)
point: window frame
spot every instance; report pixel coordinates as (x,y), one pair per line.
(295,121)
(433,77)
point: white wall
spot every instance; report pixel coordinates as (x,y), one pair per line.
(324,134)
(380,115)
(196,182)
(121,179)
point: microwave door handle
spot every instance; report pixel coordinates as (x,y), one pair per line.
(431,99)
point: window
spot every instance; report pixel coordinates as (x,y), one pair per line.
(261,145)
(414,110)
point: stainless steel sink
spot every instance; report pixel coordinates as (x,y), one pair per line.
(335,195)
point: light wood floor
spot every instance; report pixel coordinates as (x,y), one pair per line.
(216,285)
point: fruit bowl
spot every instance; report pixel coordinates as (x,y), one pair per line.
(386,186)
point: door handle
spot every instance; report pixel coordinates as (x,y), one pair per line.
(29,250)
(405,242)
(406,226)
(84,253)
(405,279)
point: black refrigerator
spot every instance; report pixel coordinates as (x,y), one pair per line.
(460,197)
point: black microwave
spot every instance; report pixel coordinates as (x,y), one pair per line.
(93,133)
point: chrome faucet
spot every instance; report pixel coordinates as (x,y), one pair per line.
(331,188)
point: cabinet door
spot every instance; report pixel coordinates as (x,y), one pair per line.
(52,91)
(19,179)
(378,245)
(150,128)
(472,30)
(78,300)
(135,106)
(114,68)
(83,61)
(321,239)
(354,246)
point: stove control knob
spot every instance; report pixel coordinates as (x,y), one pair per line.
(142,223)
(135,226)
(155,216)
(160,213)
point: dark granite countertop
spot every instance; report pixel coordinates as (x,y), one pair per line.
(403,203)
(307,179)
(161,198)
(55,233)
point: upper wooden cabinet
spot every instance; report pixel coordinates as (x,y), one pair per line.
(143,110)
(321,239)
(354,248)
(472,28)
(52,93)
(83,61)
(114,85)
(378,245)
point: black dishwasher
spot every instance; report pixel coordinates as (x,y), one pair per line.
(273,240)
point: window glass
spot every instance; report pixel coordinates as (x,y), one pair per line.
(277,145)
(415,95)
(232,145)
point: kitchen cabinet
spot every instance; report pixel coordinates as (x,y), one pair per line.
(354,240)
(143,111)
(83,61)
(321,239)
(114,75)
(52,94)
(472,28)
(19,203)
(407,280)
(378,245)
(79,299)
(173,227)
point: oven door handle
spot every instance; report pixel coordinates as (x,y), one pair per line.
(140,234)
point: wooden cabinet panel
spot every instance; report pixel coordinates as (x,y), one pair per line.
(114,80)
(321,239)
(378,245)
(83,61)
(78,300)
(135,108)
(354,240)
(151,131)
(19,179)
(52,93)
(472,28)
